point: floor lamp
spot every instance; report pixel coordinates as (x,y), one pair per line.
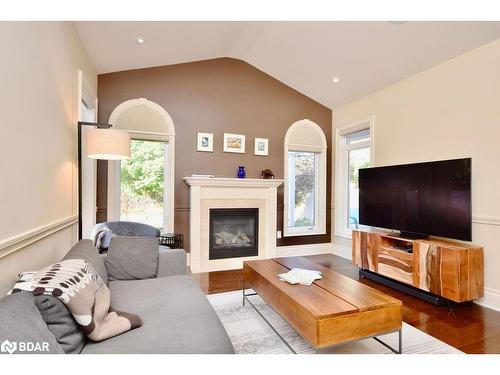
(102,143)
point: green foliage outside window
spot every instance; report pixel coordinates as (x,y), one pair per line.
(143,173)
(303,222)
(304,176)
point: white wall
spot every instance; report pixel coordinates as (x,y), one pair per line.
(38,142)
(449,111)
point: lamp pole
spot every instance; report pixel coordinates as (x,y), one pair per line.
(80,124)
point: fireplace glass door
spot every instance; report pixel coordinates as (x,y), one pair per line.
(233,233)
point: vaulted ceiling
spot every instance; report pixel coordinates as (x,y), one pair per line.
(364,56)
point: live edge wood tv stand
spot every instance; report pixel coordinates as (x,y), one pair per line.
(437,271)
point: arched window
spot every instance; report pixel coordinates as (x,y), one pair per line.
(305,180)
(142,188)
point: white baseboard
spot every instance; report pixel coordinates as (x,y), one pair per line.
(491,299)
(342,251)
(297,250)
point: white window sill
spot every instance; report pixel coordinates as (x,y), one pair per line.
(304,233)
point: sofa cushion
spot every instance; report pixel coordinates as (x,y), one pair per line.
(61,323)
(132,258)
(176,314)
(20,321)
(171,262)
(85,249)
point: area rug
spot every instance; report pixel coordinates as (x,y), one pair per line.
(250,334)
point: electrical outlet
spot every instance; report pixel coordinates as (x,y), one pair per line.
(278,234)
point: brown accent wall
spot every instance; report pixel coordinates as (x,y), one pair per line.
(217,96)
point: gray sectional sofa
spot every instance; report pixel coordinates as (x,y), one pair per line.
(177,317)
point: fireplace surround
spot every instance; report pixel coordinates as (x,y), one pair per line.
(208,194)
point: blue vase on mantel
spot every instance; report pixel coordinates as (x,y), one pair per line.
(241,172)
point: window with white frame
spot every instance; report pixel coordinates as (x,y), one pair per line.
(142,188)
(305,180)
(353,152)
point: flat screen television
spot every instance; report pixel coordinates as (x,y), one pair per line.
(422,199)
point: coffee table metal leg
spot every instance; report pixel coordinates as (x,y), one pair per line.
(400,343)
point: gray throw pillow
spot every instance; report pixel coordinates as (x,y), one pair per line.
(20,321)
(61,323)
(86,250)
(132,258)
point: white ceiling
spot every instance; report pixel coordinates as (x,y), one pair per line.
(366,56)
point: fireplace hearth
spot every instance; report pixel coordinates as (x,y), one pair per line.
(233,233)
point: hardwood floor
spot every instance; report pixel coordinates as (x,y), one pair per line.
(470,328)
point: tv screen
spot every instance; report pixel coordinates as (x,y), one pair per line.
(431,198)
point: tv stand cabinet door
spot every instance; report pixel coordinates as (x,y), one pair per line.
(450,272)
(365,250)
(427,267)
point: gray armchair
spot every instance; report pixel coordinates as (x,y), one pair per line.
(102,233)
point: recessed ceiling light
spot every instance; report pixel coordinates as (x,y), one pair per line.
(335,79)
(140,40)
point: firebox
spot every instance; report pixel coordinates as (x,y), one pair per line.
(234,233)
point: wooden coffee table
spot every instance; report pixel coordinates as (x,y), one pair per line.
(333,310)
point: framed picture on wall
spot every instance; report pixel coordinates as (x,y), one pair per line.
(234,143)
(205,142)
(261,146)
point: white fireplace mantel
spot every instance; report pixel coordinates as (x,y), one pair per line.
(207,193)
(233,182)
